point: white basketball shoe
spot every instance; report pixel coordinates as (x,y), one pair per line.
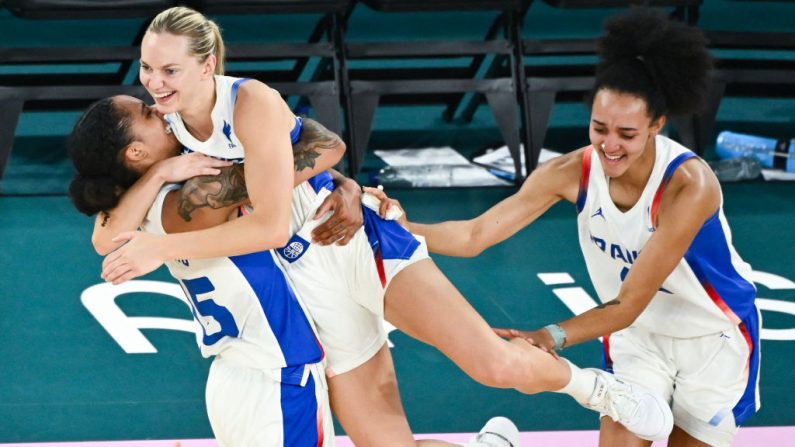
(642,412)
(498,432)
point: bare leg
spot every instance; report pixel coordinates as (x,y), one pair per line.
(423,303)
(367,404)
(680,438)
(613,434)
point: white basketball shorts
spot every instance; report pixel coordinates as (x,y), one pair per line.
(247,408)
(711,381)
(343,287)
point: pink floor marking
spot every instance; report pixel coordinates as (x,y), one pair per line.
(747,437)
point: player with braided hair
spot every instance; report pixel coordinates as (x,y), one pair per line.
(677,300)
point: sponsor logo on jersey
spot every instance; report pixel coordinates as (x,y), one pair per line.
(184,262)
(294,249)
(228,134)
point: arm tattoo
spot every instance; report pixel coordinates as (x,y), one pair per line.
(209,191)
(229,187)
(313,137)
(609,303)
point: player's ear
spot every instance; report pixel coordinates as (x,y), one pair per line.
(656,126)
(208,67)
(135,152)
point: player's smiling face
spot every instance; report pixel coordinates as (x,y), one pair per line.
(170,73)
(148,128)
(621,130)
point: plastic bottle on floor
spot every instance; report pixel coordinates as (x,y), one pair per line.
(736,169)
(771,153)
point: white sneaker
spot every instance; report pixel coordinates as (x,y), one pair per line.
(498,432)
(642,412)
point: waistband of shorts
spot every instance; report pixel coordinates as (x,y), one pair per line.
(291,375)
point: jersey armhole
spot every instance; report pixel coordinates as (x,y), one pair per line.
(669,172)
(584,177)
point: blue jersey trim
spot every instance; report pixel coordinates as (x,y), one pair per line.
(235,88)
(681,158)
(709,257)
(285,316)
(296,132)
(322,181)
(585,175)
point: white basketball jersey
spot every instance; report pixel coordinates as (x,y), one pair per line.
(223,143)
(246,309)
(709,290)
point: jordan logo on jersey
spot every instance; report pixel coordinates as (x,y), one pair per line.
(228,134)
(294,249)
(599,213)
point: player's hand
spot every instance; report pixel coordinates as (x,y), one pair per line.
(139,255)
(539,338)
(184,167)
(387,203)
(346,217)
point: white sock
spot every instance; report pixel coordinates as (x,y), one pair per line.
(581,385)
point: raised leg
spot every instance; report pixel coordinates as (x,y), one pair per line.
(423,303)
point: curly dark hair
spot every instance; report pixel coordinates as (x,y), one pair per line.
(662,61)
(95,148)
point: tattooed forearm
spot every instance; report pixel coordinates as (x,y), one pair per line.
(207,191)
(313,137)
(609,303)
(229,187)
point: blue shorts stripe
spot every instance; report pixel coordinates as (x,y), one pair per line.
(299,414)
(388,236)
(747,404)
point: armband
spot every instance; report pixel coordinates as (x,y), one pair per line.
(558,335)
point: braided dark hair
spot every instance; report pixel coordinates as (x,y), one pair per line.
(95,147)
(664,62)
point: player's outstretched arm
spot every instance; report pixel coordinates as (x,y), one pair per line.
(555,180)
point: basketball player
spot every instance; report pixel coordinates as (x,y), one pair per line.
(677,300)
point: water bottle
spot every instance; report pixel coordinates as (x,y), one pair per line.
(737,169)
(771,153)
